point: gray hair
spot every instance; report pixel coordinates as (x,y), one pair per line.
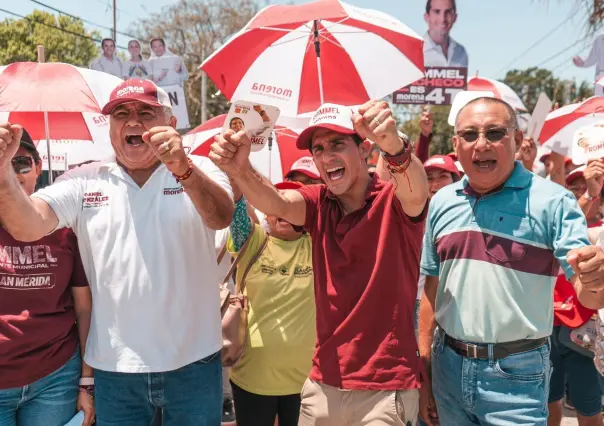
(168,113)
(513,120)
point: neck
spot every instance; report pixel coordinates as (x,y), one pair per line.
(291,237)
(140,176)
(354,199)
(110,57)
(444,42)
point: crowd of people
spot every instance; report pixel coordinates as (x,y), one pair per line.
(381,285)
(436,288)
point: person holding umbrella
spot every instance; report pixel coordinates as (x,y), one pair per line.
(366,237)
(45,306)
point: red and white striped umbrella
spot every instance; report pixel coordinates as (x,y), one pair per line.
(298,57)
(273,162)
(500,90)
(561,124)
(69,97)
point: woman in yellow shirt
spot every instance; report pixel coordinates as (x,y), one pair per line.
(268,379)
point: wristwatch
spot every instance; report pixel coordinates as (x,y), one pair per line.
(589,197)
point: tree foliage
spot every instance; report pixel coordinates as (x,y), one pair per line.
(192,28)
(529,84)
(19,39)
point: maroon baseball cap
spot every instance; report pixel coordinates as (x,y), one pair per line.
(289,185)
(135,90)
(441,162)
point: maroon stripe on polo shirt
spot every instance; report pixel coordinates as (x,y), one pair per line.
(497,250)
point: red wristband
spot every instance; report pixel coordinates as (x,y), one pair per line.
(188,173)
(399,162)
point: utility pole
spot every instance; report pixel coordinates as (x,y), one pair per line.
(204,89)
(114,21)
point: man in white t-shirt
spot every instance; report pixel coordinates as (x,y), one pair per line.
(145,223)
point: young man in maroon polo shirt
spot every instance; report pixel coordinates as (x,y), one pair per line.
(366,238)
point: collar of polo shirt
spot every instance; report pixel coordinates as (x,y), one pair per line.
(520,178)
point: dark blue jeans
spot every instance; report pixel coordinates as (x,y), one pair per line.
(189,396)
(50,401)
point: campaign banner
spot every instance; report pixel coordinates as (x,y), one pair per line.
(179,105)
(438,87)
(588,143)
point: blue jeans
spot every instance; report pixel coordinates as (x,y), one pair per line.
(508,391)
(50,401)
(189,396)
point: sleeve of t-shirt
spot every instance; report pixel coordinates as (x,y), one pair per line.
(78,275)
(64,197)
(312,195)
(569,231)
(430,262)
(210,170)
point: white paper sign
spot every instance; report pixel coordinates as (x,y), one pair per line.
(179,105)
(256,119)
(588,143)
(542,108)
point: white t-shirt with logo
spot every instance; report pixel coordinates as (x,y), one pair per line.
(151,264)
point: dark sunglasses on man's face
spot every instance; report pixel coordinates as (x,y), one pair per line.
(495,134)
(22,164)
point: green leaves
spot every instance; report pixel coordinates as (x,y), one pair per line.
(69,42)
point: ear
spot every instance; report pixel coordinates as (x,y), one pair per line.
(453,19)
(38,167)
(426,16)
(455,143)
(172,122)
(518,138)
(365,149)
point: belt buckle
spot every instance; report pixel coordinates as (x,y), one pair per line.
(472,351)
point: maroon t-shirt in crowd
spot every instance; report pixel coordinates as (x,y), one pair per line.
(37,317)
(366,267)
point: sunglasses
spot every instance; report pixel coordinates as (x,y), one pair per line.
(22,164)
(492,135)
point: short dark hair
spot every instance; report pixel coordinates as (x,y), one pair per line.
(161,40)
(429,6)
(236,118)
(511,112)
(106,40)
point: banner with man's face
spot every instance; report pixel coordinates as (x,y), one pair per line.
(445,60)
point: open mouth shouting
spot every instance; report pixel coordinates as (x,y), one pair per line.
(134,140)
(335,173)
(484,165)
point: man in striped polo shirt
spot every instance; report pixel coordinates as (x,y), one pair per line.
(493,246)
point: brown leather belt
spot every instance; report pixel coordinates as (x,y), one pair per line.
(500,350)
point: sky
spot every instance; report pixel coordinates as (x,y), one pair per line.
(494,33)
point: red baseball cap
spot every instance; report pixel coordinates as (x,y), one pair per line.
(135,90)
(306,166)
(288,185)
(329,116)
(441,162)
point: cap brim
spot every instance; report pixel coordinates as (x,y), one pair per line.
(289,185)
(304,172)
(444,169)
(111,105)
(28,145)
(544,157)
(305,138)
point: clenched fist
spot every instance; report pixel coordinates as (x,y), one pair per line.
(231,151)
(374,121)
(166,144)
(10,140)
